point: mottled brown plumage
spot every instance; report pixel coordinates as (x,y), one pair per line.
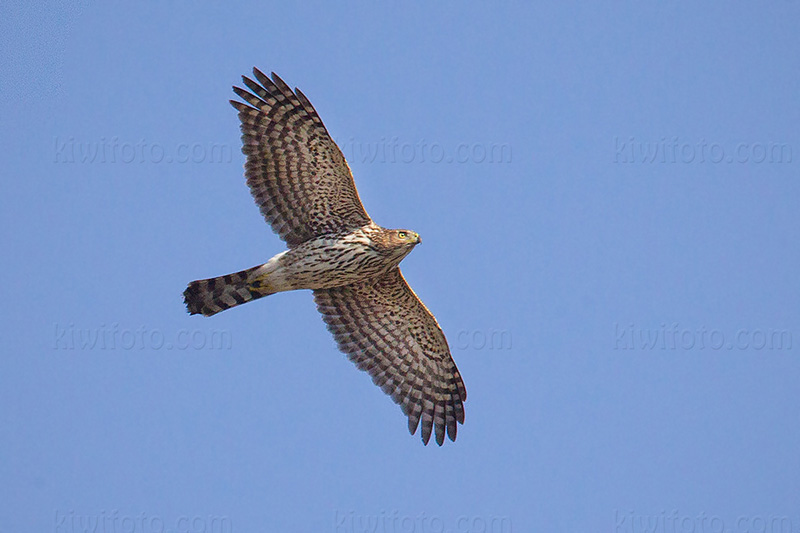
(386,330)
(305,190)
(296,173)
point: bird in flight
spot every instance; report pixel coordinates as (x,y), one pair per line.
(305,191)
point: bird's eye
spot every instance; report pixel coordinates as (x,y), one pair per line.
(402,234)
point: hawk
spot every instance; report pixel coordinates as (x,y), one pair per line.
(305,191)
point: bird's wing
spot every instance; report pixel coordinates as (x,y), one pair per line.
(387,331)
(296,173)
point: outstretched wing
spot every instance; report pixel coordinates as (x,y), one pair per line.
(387,331)
(296,173)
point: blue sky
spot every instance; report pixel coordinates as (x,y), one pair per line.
(608,196)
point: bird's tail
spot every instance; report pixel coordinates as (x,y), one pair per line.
(210,296)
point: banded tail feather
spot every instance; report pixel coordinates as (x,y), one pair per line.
(210,296)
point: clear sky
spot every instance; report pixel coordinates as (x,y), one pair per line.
(609,199)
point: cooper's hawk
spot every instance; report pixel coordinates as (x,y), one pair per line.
(304,188)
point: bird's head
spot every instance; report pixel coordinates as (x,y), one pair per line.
(394,242)
(404,237)
(402,241)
